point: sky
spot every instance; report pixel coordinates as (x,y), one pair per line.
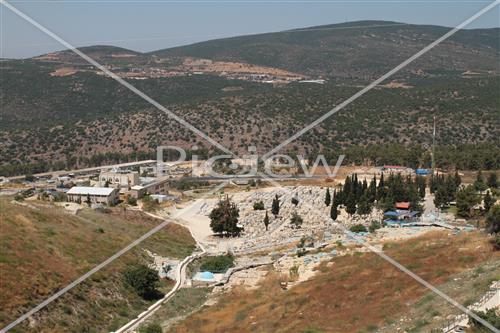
(147,25)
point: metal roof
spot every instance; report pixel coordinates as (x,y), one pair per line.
(84,190)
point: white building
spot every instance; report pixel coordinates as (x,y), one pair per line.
(118,179)
(102,195)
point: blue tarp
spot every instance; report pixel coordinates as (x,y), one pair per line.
(399,213)
(391,213)
(422,171)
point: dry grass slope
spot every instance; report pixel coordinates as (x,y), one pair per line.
(43,248)
(357,293)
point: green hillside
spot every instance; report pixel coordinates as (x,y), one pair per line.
(59,112)
(353,49)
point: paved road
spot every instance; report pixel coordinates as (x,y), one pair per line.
(180,280)
(86,170)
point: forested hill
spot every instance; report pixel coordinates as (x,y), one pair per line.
(353,49)
(250,90)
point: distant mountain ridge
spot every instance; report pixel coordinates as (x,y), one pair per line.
(351,49)
(341,50)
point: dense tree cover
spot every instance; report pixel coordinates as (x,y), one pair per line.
(360,197)
(144,280)
(224,218)
(444,188)
(484,156)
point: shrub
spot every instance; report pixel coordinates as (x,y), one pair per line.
(151,328)
(490,316)
(493,219)
(496,242)
(149,204)
(358,228)
(259,205)
(374,226)
(296,220)
(144,280)
(217,264)
(132,201)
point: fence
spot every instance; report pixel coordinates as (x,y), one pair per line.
(453,324)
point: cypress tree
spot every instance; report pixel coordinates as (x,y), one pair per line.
(275,208)
(334,212)
(328,198)
(372,189)
(266,220)
(488,201)
(351,203)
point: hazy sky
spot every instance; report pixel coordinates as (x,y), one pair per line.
(154,24)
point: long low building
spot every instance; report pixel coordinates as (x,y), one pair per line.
(159,186)
(101,195)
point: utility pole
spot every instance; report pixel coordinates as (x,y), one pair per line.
(433,163)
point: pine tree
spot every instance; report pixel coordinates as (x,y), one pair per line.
(275,208)
(479,184)
(327,197)
(488,201)
(440,196)
(224,218)
(266,220)
(334,212)
(467,198)
(457,179)
(492,180)
(421,186)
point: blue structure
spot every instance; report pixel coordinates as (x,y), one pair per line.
(204,277)
(400,217)
(422,172)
